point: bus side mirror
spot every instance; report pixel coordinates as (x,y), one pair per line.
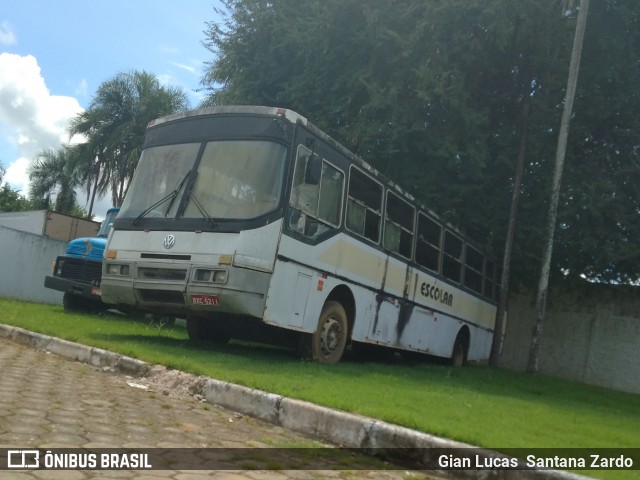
(313,170)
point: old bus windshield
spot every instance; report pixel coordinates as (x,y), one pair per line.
(233,180)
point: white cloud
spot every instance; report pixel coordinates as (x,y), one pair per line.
(17,172)
(6,34)
(31,119)
(188,68)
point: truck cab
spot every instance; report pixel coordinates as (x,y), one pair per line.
(78,272)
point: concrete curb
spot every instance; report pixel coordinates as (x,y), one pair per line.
(337,427)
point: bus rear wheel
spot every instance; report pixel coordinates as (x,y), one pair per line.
(330,338)
(459,353)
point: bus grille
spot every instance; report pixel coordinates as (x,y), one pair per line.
(86,271)
(161,273)
(161,296)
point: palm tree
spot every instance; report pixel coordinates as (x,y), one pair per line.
(53,177)
(114,126)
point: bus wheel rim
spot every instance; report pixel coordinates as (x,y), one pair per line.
(331,335)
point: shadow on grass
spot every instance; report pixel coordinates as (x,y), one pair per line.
(252,351)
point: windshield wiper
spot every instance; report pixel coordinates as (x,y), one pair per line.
(201,209)
(172,195)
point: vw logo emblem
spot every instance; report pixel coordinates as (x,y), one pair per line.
(169,241)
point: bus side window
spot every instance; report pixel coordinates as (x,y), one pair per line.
(316,199)
(399,226)
(304,196)
(428,245)
(473,269)
(364,206)
(452,258)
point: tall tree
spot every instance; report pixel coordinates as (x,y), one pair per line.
(53,177)
(114,126)
(432,94)
(600,194)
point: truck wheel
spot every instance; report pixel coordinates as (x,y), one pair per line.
(330,338)
(73,303)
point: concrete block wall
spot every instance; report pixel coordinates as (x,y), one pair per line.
(590,335)
(25,259)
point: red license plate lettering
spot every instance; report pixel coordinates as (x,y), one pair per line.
(210,300)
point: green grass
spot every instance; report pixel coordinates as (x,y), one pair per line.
(483,406)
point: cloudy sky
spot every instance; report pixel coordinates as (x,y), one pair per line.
(55,53)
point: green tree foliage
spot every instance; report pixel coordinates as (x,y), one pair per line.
(114,126)
(53,177)
(600,213)
(432,94)
(10,199)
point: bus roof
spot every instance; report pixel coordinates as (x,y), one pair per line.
(290,115)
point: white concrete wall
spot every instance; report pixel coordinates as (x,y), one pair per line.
(32,222)
(592,336)
(25,259)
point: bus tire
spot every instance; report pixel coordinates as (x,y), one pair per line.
(329,340)
(218,332)
(207,330)
(459,353)
(197,329)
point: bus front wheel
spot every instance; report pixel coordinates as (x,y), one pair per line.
(330,338)
(202,329)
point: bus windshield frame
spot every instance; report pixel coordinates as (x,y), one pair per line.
(217,181)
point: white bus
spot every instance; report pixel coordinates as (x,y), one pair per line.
(238,218)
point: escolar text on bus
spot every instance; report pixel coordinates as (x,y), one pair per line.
(436,293)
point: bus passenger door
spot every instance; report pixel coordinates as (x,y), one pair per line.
(299,300)
(288,295)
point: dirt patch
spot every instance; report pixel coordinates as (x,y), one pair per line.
(170,382)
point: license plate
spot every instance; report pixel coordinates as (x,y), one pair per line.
(205,300)
(96,291)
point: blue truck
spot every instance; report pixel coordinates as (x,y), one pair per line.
(78,272)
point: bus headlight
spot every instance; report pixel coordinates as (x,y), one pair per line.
(207,275)
(118,269)
(219,276)
(202,275)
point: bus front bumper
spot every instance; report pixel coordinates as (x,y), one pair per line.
(245,295)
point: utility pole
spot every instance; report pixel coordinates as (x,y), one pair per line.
(543,283)
(496,346)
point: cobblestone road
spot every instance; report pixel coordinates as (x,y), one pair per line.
(49,402)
